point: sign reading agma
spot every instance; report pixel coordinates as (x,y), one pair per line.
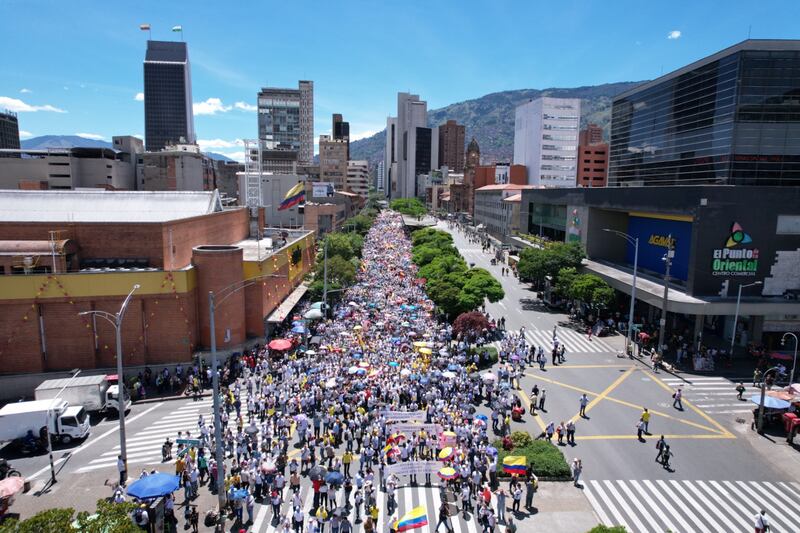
(733,261)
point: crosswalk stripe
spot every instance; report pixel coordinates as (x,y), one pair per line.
(598,509)
(638,498)
(780,500)
(624,504)
(733,506)
(676,490)
(663,502)
(709,505)
(661,488)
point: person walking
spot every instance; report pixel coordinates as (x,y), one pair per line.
(444,518)
(542,398)
(761,522)
(665,457)
(676,402)
(577,470)
(584,401)
(740,391)
(660,444)
(646,420)
(534,399)
(571,433)
(640,430)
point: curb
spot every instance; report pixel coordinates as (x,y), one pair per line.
(167,398)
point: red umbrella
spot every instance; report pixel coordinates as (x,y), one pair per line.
(280,344)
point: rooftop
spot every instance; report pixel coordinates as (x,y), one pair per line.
(505,187)
(105,206)
(514,198)
(166,52)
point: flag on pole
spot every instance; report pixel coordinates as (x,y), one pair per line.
(514,464)
(415,518)
(144,27)
(177,28)
(295,195)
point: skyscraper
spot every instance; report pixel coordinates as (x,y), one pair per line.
(408,146)
(546,140)
(168,115)
(341,131)
(286,120)
(333,162)
(451,146)
(9,130)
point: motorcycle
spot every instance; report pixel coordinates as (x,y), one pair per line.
(30,447)
(7,471)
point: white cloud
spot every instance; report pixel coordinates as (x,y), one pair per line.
(92,136)
(212,144)
(18,106)
(25,91)
(25,134)
(674,34)
(244,106)
(139,97)
(236,156)
(139,136)
(362,135)
(212,106)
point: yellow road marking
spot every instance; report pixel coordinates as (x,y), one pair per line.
(590,366)
(527,402)
(716,424)
(597,399)
(627,404)
(632,437)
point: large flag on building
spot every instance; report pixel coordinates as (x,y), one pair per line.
(514,464)
(295,195)
(416,517)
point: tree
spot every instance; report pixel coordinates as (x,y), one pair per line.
(356,243)
(564,280)
(426,253)
(442,265)
(470,325)
(339,244)
(432,236)
(408,206)
(359,224)
(591,289)
(535,264)
(481,283)
(108,517)
(340,271)
(603,296)
(56,519)
(445,294)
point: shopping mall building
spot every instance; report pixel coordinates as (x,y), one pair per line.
(723,237)
(66,252)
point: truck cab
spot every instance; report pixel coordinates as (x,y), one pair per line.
(112,398)
(72,424)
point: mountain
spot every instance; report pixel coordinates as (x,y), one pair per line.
(219,157)
(490,118)
(61,141)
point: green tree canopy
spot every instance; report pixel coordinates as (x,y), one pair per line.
(339,244)
(50,520)
(426,253)
(535,264)
(481,283)
(564,280)
(408,206)
(432,236)
(359,224)
(443,265)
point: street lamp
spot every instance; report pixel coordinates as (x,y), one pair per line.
(635,242)
(225,292)
(761,402)
(75,373)
(116,321)
(736,316)
(794,361)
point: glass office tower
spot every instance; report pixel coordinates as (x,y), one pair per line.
(168,114)
(732,118)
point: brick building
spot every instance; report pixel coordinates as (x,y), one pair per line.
(592,157)
(63,252)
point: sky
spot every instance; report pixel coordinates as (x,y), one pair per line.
(76,67)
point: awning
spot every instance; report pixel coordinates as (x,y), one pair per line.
(286,306)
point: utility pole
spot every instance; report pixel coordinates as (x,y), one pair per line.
(663,322)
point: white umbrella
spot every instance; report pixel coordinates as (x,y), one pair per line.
(352,304)
(331,383)
(311,352)
(448,374)
(405,372)
(489,377)
(313,314)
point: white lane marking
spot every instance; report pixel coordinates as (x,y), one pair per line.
(601,513)
(625,507)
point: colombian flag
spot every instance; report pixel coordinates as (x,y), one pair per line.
(295,195)
(416,517)
(514,464)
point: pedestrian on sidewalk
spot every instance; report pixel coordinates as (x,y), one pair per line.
(530,489)
(444,518)
(123,470)
(584,401)
(677,395)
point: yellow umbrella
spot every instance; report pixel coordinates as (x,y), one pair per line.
(420,344)
(446,453)
(426,351)
(357,328)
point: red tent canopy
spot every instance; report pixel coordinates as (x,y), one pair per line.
(280,344)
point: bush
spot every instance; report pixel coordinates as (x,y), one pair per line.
(545,458)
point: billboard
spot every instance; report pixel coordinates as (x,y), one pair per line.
(654,234)
(322,189)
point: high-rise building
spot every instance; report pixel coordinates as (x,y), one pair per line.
(732,118)
(286,120)
(341,130)
(408,146)
(358,177)
(546,140)
(592,157)
(168,114)
(380,177)
(333,162)
(451,146)
(9,130)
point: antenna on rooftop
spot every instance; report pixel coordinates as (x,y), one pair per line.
(749,28)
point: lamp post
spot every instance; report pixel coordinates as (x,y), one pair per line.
(635,242)
(794,361)
(116,321)
(225,293)
(75,373)
(761,402)
(736,316)
(662,330)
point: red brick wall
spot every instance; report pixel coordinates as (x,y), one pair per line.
(169,337)
(217,269)
(227,227)
(518,175)
(20,346)
(592,165)
(68,341)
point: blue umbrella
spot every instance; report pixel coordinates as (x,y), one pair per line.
(334,478)
(239,494)
(299,329)
(482,417)
(453,366)
(491,450)
(424,380)
(393,363)
(154,486)
(770,402)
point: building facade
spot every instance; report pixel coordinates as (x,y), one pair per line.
(380,177)
(731,118)
(546,140)
(592,157)
(341,130)
(168,113)
(451,146)
(179,167)
(333,162)
(286,120)
(9,130)
(358,177)
(495,209)
(408,149)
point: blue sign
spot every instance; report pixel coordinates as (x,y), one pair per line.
(654,234)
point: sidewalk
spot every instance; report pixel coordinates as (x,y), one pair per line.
(559,507)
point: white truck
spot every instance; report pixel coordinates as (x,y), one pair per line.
(92,392)
(64,422)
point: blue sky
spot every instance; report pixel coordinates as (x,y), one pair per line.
(76,67)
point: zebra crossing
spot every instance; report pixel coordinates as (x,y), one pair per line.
(681,506)
(406,496)
(144,446)
(575,342)
(714,395)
